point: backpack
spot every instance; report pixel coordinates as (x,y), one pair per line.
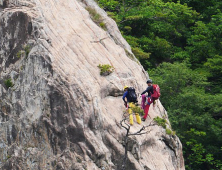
(156,92)
(132,97)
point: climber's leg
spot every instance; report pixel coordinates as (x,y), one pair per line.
(146,110)
(138,119)
(130,113)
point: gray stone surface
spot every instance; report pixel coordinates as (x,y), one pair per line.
(60,112)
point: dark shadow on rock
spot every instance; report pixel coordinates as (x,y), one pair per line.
(18,26)
(4,4)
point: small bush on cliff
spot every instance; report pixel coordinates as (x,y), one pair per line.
(138,110)
(103,25)
(105,69)
(27,49)
(170,132)
(8,83)
(96,18)
(20,53)
(160,121)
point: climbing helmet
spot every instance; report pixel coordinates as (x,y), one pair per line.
(149,81)
(125,87)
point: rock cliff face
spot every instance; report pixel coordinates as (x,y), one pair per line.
(56,110)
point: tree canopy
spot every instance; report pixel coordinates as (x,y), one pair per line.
(179,43)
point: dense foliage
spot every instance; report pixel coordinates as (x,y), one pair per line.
(180,44)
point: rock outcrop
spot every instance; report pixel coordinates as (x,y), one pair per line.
(56,110)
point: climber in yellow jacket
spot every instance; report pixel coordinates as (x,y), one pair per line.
(131,97)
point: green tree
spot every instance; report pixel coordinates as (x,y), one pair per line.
(207,7)
(187,34)
(161,30)
(214,66)
(205,41)
(192,113)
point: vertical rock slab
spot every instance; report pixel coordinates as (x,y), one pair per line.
(56,110)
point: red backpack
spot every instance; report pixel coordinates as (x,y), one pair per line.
(156,92)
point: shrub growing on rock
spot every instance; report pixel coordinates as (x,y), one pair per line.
(8,83)
(97,18)
(105,69)
(160,121)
